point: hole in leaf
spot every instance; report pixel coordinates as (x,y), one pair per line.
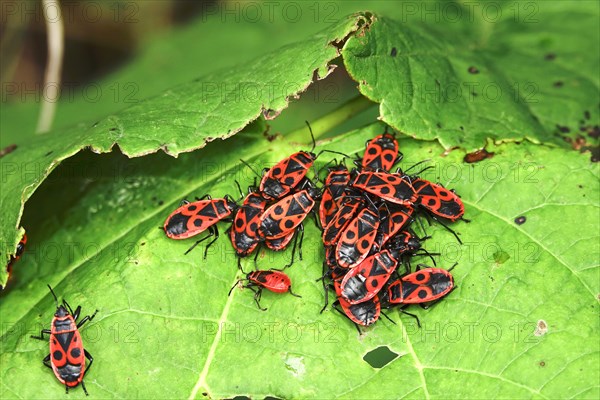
(380,357)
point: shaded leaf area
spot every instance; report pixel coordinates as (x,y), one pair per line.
(179,120)
(165,314)
(463,73)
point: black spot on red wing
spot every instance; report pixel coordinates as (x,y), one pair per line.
(431,202)
(365,244)
(289,180)
(388,157)
(221,207)
(239,223)
(450,209)
(293,166)
(395,292)
(192,208)
(260,276)
(276,171)
(328,204)
(378,267)
(253,227)
(384,190)
(374,283)
(75,352)
(278,210)
(420,277)
(177,224)
(198,222)
(427,190)
(289,224)
(57,355)
(294,208)
(64,339)
(398,218)
(208,211)
(372,151)
(422,294)
(350,234)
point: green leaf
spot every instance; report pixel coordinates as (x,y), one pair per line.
(179,120)
(465,73)
(166,317)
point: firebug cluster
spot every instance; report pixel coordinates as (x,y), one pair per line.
(365,215)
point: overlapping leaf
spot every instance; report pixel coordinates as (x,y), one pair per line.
(179,120)
(465,73)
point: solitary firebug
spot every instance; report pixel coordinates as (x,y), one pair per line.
(67,354)
(274,281)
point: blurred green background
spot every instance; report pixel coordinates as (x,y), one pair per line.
(120,52)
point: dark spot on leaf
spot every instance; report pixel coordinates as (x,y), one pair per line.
(477,156)
(595,154)
(550,56)
(95,124)
(160,202)
(48,153)
(542,364)
(473,94)
(563,129)
(462,128)
(439,125)
(380,357)
(594,132)
(473,70)
(586,114)
(7,150)
(520,220)
(112,129)
(557,84)
(580,186)
(143,244)
(204,394)
(393,52)
(541,328)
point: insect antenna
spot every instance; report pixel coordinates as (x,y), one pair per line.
(314,143)
(250,166)
(53,295)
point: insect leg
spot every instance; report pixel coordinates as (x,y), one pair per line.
(84,389)
(46,361)
(214,231)
(41,337)
(89,357)
(86,319)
